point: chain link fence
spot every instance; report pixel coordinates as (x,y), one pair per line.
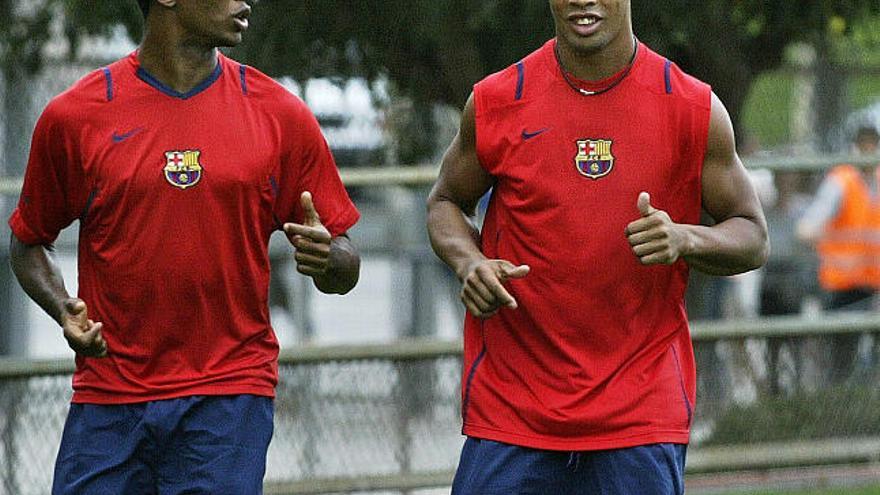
(386,417)
(345,417)
(774,392)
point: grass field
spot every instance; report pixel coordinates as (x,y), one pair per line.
(819,491)
(767,112)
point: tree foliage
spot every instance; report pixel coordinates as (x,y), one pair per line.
(90,17)
(435,50)
(23,33)
(729,42)
(862,46)
(26,26)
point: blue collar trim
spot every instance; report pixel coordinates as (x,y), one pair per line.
(152,81)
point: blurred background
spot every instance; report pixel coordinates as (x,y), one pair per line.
(368,402)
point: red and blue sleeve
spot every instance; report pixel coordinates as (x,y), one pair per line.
(54,192)
(308,165)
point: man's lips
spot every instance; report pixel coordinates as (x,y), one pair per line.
(241,17)
(585,24)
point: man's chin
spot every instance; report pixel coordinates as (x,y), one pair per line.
(586,46)
(230,40)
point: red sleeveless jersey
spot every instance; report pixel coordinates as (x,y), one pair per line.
(598,355)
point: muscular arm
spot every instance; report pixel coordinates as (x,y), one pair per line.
(452,231)
(452,202)
(737,242)
(39,276)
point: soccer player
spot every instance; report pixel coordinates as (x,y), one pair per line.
(179,164)
(579,373)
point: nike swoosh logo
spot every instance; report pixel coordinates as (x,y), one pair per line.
(118,138)
(529,135)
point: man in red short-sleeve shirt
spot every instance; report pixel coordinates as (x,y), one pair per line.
(179,164)
(579,373)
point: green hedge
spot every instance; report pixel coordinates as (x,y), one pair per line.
(818,491)
(829,413)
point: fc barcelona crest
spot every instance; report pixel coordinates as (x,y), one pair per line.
(183,168)
(594,158)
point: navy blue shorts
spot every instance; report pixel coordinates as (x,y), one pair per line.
(194,445)
(493,468)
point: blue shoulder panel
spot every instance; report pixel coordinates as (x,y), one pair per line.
(667,74)
(520,76)
(109,77)
(242,70)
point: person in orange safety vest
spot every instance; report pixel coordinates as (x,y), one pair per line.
(843,222)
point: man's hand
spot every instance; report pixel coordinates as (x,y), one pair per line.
(483,289)
(310,239)
(655,238)
(83,335)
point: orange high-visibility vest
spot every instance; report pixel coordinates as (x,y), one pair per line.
(849,249)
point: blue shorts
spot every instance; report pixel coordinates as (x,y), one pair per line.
(493,468)
(195,445)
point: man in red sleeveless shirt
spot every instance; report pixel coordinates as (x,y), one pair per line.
(579,373)
(179,164)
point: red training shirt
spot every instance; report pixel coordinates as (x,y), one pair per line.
(598,354)
(176,195)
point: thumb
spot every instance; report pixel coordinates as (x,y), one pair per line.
(510,271)
(94,330)
(311,214)
(644,204)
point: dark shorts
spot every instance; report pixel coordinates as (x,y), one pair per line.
(194,445)
(493,468)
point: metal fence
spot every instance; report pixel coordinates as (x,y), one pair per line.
(386,417)
(424,175)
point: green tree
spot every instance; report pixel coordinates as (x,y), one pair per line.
(433,51)
(728,43)
(862,46)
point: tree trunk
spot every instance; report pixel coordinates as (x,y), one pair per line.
(829,99)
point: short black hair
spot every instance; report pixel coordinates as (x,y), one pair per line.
(145,7)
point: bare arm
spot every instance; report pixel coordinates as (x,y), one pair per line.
(737,242)
(451,228)
(453,200)
(35,268)
(39,276)
(332,262)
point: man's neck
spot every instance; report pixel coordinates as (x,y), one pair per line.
(167,56)
(598,65)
